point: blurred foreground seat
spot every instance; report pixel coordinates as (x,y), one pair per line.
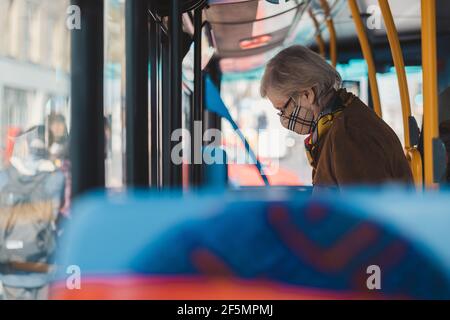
(287,245)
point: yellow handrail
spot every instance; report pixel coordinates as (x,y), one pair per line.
(415,162)
(367,54)
(412,154)
(397,56)
(331,31)
(430,100)
(319,39)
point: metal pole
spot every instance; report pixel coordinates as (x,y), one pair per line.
(137,43)
(197,115)
(166,111)
(412,154)
(87,145)
(331,31)
(430,100)
(397,56)
(367,54)
(319,39)
(175,33)
(153,56)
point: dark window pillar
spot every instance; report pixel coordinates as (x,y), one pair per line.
(87,146)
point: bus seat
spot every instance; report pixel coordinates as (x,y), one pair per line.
(415,162)
(231,245)
(442,145)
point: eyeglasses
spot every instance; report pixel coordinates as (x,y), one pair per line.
(283,109)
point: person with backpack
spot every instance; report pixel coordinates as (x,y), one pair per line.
(31,195)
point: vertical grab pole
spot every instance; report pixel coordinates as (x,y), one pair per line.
(319,39)
(430,100)
(154,95)
(412,154)
(137,58)
(165,111)
(87,143)
(197,130)
(331,31)
(367,54)
(175,86)
(397,57)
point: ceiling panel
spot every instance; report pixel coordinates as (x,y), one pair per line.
(406,16)
(235,23)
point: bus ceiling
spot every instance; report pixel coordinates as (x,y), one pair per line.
(247,32)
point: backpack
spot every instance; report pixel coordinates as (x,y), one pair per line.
(28,209)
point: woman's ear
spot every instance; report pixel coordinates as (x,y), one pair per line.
(307,98)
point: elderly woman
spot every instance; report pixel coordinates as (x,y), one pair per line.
(347,142)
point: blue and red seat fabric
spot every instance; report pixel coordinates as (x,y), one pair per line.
(228,245)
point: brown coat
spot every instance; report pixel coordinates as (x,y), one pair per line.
(359,148)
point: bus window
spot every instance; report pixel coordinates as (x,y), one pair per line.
(34,59)
(390,98)
(281,152)
(354,78)
(35,181)
(114,92)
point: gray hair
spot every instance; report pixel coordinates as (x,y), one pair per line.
(296,68)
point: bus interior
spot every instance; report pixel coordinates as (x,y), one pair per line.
(179,180)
